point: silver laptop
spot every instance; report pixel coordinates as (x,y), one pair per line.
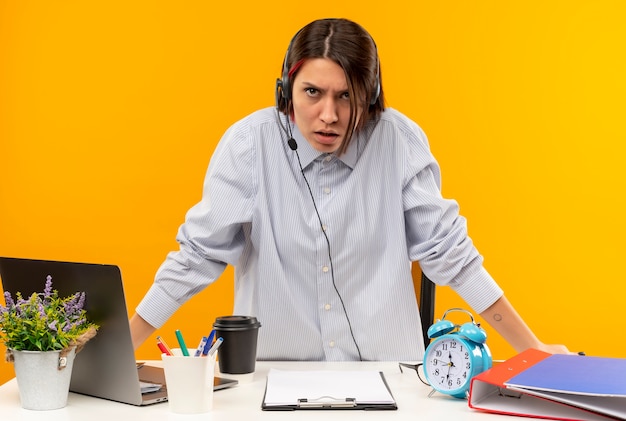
(106,366)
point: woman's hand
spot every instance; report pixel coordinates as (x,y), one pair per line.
(554,348)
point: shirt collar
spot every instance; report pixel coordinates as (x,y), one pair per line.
(308,154)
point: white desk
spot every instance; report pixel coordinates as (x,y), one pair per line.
(243,402)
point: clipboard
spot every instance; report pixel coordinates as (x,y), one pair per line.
(288,390)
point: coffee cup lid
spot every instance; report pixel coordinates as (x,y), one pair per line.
(236,323)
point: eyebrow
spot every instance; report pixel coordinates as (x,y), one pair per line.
(312,85)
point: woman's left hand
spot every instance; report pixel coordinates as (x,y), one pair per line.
(554,348)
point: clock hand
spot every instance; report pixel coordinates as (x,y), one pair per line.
(450,364)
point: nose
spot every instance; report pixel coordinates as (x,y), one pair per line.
(328,113)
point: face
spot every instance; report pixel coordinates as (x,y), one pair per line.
(321,103)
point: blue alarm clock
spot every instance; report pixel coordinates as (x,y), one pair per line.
(455,355)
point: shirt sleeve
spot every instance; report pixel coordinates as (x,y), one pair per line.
(437,234)
(212,235)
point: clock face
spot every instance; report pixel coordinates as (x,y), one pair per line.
(448,365)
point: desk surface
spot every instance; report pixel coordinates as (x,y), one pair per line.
(244,401)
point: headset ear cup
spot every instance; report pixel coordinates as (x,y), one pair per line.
(440,328)
(376,91)
(285,89)
(376,94)
(279,90)
(473,332)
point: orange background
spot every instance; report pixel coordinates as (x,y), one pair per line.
(110,110)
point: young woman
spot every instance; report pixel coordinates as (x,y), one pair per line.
(320,204)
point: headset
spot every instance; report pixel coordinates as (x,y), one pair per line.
(284,85)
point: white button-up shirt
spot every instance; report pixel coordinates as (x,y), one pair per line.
(380,207)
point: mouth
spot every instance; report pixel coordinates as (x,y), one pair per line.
(326,137)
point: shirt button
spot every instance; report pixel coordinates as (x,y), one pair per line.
(328,158)
(327,190)
(327,307)
(331,344)
(324,227)
(325,269)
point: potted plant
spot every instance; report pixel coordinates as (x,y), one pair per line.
(42,334)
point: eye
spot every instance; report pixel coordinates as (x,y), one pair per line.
(345,95)
(311,91)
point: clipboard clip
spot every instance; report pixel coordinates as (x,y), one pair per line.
(327,402)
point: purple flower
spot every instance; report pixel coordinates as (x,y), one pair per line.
(53,326)
(71,307)
(74,306)
(47,291)
(8,299)
(81,301)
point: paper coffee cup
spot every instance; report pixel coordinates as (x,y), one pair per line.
(237,355)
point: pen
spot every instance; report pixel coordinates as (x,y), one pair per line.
(209,342)
(163,346)
(181,342)
(216,345)
(201,346)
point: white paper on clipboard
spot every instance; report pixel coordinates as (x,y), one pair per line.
(286,388)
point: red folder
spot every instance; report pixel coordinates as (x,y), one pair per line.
(553,386)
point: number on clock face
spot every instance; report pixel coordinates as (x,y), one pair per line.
(448,364)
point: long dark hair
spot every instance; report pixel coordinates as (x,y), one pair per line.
(353,49)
